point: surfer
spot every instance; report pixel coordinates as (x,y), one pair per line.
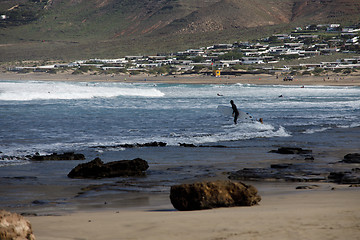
(235,111)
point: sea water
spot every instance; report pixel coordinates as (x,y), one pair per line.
(46,117)
(51,117)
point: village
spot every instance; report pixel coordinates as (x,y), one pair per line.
(268,55)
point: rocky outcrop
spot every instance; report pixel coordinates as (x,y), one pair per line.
(352,158)
(207,195)
(14,227)
(97,169)
(58,157)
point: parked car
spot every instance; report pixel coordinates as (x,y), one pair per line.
(288,78)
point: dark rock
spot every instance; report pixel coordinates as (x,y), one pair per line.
(152,144)
(352,158)
(207,195)
(14,226)
(291,150)
(97,169)
(58,157)
(336,176)
(187,145)
(20,178)
(39,202)
(282,165)
(351,177)
(126,145)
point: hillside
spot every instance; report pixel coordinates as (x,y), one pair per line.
(68,29)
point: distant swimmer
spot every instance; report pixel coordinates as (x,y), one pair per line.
(261,120)
(235,111)
(220,95)
(281,96)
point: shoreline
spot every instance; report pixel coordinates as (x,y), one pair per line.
(258,79)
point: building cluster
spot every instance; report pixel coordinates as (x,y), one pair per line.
(305,43)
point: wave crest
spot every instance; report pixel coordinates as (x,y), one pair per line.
(28,91)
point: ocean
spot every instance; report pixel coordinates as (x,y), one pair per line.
(93,118)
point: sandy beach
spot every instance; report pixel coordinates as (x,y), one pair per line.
(328,212)
(261,79)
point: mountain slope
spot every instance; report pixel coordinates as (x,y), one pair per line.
(320,10)
(38,29)
(229,14)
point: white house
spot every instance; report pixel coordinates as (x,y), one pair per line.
(252,60)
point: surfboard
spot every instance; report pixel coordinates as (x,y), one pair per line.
(227,111)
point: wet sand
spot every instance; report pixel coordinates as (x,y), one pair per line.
(263,79)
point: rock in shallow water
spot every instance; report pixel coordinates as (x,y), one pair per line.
(291,150)
(58,157)
(207,195)
(97,169)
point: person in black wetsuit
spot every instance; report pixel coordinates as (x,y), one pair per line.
(235,111)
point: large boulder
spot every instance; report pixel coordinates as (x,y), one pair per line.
(207,195)
(14,227)
(97,169)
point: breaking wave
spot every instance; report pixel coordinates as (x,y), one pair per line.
(28,91)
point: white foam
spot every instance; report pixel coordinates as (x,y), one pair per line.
(12,162)
(231,132)
(316,130)
(27,91)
